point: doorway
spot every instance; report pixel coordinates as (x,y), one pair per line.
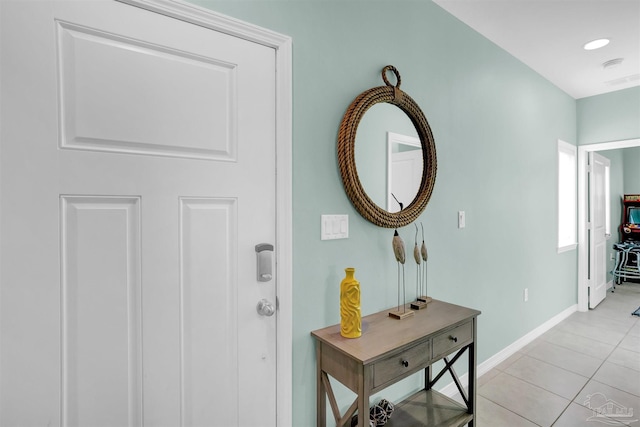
(583,198)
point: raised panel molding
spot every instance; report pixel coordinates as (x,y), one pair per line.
(189,119)
(208,301)
(101,337)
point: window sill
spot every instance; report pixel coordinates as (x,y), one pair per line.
(567,248)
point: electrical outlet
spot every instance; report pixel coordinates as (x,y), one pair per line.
(461,219)
(525,295)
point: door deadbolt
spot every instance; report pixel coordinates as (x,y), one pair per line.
(264,254)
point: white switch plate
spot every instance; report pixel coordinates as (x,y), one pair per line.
(461,219)
(334,227)
(525,295)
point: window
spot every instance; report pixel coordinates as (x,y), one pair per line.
(567,212)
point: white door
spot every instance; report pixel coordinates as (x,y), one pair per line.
(137,176)
(598,218)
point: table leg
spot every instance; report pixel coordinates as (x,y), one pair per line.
(321,392)
(472,375)
(363,400)
(428,373)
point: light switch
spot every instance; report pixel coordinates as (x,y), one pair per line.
(461,219)
(335,223)
(334,227)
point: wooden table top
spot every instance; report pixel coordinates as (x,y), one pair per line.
(382,334)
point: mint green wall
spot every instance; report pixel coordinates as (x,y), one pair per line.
(631,158)
(612,116)
(495,123)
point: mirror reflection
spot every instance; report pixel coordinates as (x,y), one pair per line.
(388,156)
(404,169)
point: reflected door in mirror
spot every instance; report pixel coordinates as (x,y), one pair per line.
(383,131)
(404,169)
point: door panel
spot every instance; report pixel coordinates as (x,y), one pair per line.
(207,316)
(104,75)
(598,218)
(101,313)
(137,176)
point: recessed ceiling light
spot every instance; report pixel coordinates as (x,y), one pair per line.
(596,44)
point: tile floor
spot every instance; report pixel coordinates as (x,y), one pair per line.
(589,360)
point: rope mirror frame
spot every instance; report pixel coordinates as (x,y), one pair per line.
(346,153)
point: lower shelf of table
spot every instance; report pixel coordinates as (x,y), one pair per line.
(429,408)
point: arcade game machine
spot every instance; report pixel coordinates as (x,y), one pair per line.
(628,250)
(630,227)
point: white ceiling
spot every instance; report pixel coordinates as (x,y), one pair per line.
(548,36)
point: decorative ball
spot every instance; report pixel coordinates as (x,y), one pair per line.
(354,421)
(379,415)
(387,406)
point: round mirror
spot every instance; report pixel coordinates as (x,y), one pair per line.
(369,181)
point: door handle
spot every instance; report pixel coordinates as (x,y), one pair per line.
(264,254)
(265,308)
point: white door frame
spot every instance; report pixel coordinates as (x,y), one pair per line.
(583,197)
(282,46)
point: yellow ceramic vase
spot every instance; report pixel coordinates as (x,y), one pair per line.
(350,317)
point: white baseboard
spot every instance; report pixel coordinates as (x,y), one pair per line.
(451,389)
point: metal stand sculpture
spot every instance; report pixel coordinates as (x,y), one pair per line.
(419,304)
(399,252)
(423,251)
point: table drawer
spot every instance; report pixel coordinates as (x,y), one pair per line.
(457,337)
(401,363)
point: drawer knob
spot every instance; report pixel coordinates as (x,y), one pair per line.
(454,339)
(405,363)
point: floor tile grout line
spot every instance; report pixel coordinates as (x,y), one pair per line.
(560,367)
(607,360)
(549,391)
(510,410)
(537,386)
(592,379)
(551,364)
(569,348)
(575,351)
(573,400)
(568,320)
(600,360)
(531,384)
(624,366)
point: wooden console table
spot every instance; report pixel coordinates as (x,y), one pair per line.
(390,350)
